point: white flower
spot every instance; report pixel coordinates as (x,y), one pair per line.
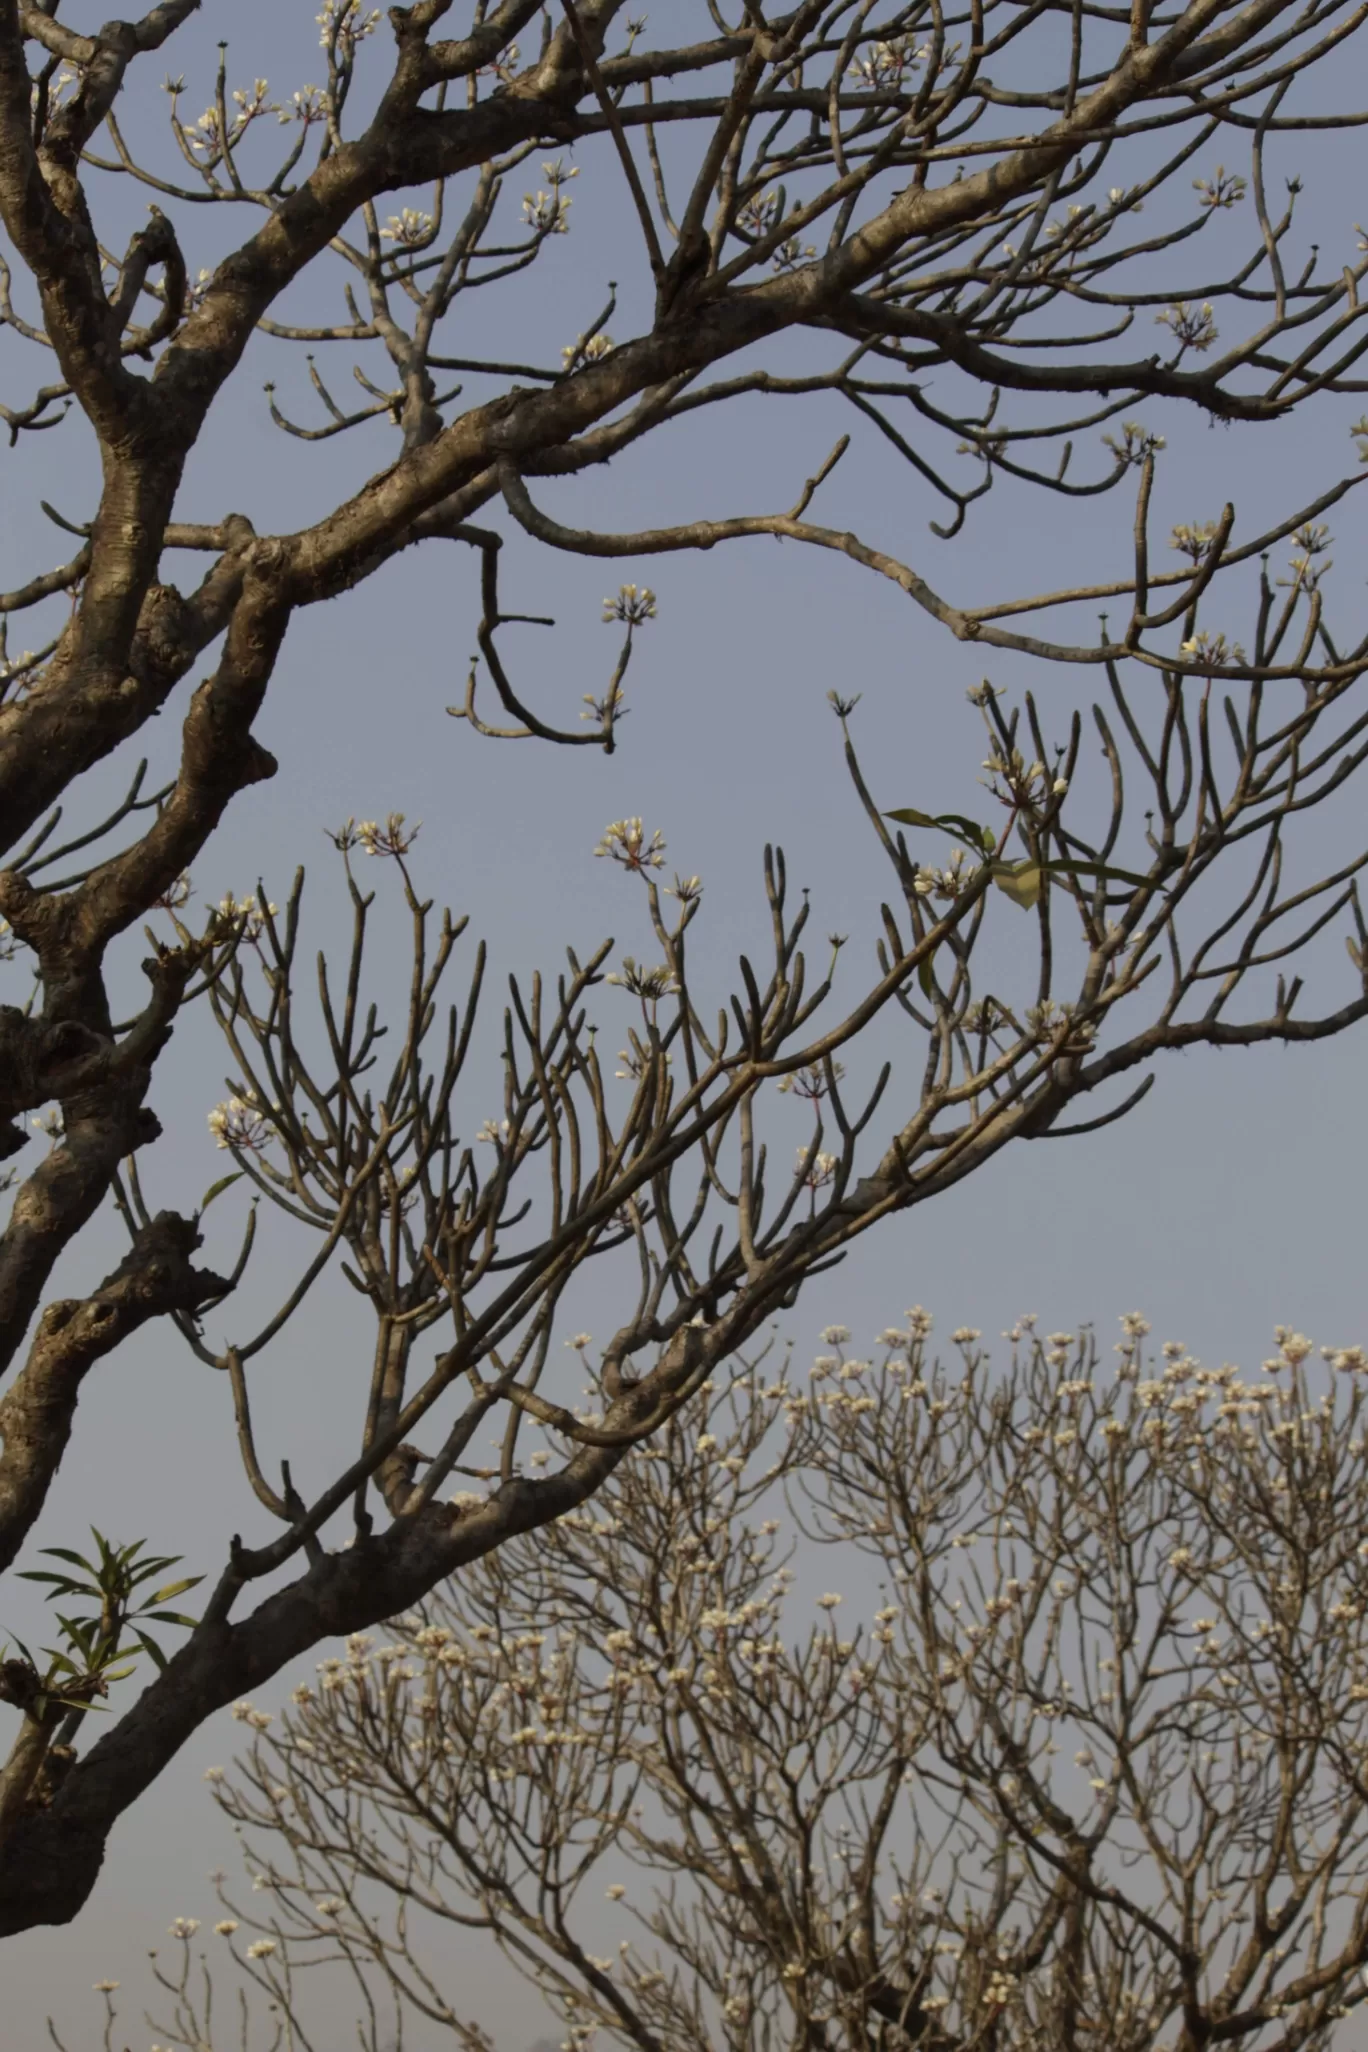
(184,1927)
(827,1602)
(616,1892)
(213,1774)
(226,1927)
(261,1948)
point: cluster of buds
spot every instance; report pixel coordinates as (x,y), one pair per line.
(884,65)
(944,883)
(394,838)
(631,606)
(1310,543)
(1028,785)
(624,842)
(650,985)
(759,214)
(411,229)
(1193,539)
(342,25)
(1211,651)
(1194,327)
(809,1083)
(792,253)
(1135,443)
(587,349)
(1226,189)
(546,213)
(246,916)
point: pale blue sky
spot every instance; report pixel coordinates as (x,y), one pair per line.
(1230,1201)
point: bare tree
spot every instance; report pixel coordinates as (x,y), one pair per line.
(913,143)
(1092,1775)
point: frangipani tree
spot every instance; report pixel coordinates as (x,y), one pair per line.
(1081,1763)
(829,203)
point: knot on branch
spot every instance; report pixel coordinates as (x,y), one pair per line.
(19,1684)
(156,1274)
(39,1060)
(58,1762)
(164,640)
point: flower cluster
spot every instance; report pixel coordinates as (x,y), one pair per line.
(1194,327)
(630,606)
(1193,539)
(342,25)
(1211,651)
(247,915)
(1135,443)
(410,229)
(588,349)
(883,66)
(394,838)
(1226,189)
(624,842)
(241,1124)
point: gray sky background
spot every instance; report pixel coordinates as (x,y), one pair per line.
(1231,1200)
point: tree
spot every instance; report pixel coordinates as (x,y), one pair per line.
(1091,1774)
(918,148)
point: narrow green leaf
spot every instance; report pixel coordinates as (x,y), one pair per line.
(949,822)
(77,1559)
(926,975)
(217,1189)
(175,1589)
(1102,869)
(152,1650)
(176,1617)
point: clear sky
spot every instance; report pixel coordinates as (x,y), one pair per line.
(1230,1201)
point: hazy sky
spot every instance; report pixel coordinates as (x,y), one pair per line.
(1230,1201)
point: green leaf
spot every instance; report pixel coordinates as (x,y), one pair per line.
(176,1617)
(1022,882)
(217,1189)
(1102,869)
(63,1582)
(113,1674)
(175,1589)
(954,823)
(77,1559)
(152,1650)
(926,975)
